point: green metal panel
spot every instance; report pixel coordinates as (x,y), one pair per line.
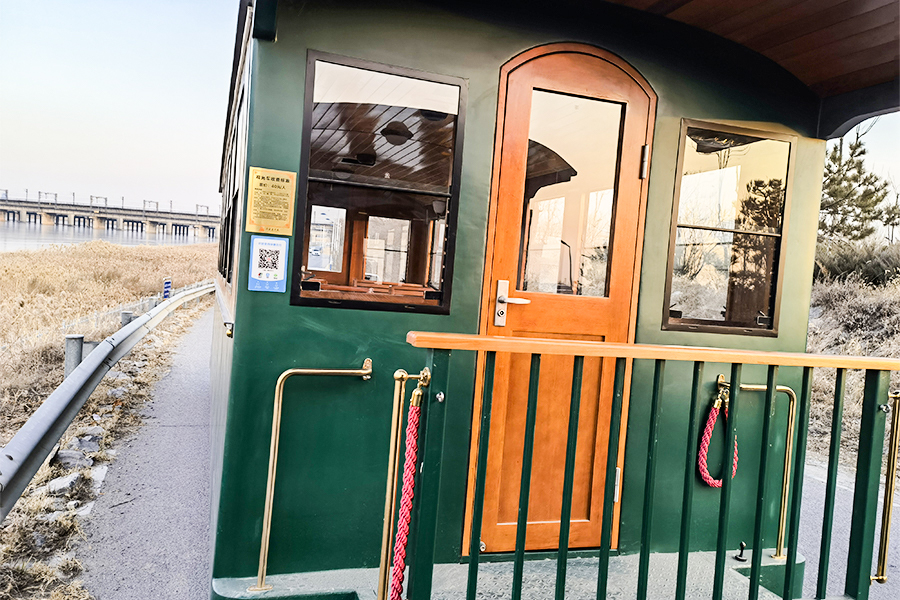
(329,494)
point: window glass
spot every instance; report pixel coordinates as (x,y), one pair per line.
(379,192)
(727,242)
(573,150)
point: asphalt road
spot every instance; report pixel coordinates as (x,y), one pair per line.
(148,534)
(811,529)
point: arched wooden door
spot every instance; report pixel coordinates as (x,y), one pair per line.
(566,220)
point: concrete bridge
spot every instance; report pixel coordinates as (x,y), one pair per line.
(102,216)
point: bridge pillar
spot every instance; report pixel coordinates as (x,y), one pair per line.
(150,227)
(46,219)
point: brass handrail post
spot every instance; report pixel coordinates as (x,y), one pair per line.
(366,373)
(890,483)
(390,496)
(788,454)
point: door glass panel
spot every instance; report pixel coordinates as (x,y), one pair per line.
(573,149)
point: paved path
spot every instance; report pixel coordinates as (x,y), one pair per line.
(148,534)
(815,475)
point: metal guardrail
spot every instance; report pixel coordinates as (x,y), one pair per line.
(21,458)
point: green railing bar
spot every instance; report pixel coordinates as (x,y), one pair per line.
(725,498)
(421,550)
(484,434)
(687,499)
(797,491)
(758,525)
(612,458)
(837,415)
(568,479)
(525,485)
(650,481)
(865,490)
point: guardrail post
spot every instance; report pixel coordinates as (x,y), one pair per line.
(127,317)
(865,490)
(74,352)
(421,552)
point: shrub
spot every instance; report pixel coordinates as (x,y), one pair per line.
(870,262)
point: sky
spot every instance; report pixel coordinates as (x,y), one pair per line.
(128,98)
(115,98)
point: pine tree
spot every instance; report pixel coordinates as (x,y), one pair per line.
(890,216)
(850,193)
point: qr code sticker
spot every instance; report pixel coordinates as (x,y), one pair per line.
(268,259)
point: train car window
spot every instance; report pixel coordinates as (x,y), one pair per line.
(731,208)
(379,189)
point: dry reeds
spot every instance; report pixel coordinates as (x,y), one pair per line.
(849,317)
(39,291)
(42,289)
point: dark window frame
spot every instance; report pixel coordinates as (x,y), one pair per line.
(231,192)
(297,298)
(670,323)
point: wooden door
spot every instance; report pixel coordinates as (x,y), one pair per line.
(565,233)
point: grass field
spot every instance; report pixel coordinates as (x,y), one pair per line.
(42,289)
(39,292)
(849,317)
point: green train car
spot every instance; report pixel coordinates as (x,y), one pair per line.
(627,172)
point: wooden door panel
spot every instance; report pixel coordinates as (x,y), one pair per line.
(615,106)
(545,501)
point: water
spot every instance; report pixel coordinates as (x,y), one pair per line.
(18,235)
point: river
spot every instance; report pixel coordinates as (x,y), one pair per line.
(18,235)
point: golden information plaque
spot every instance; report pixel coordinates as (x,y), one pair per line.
(270,207)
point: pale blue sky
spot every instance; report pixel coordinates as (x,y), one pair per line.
(128,98)
(115,98)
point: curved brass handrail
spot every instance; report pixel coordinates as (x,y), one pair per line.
(890,483)
(366,373)
(788,453)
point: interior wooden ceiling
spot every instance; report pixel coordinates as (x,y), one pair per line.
(833,46)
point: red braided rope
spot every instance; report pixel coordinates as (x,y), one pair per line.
(704,449)
(406,500)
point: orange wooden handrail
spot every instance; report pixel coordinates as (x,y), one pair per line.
(460,341)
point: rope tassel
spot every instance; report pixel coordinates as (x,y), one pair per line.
(702,457)
(406,498)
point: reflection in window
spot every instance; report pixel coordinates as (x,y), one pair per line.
(573,150)
(728,230)
(326,239)
(379,186)
(386,255)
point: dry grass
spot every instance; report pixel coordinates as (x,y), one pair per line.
(38,289)
(41,289)
(852,318)
(28,544)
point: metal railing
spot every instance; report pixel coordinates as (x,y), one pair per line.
(102,319)
(789,445)
(21,458)
(366,373)
(863,518)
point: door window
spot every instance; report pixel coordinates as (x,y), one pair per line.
(573,145)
